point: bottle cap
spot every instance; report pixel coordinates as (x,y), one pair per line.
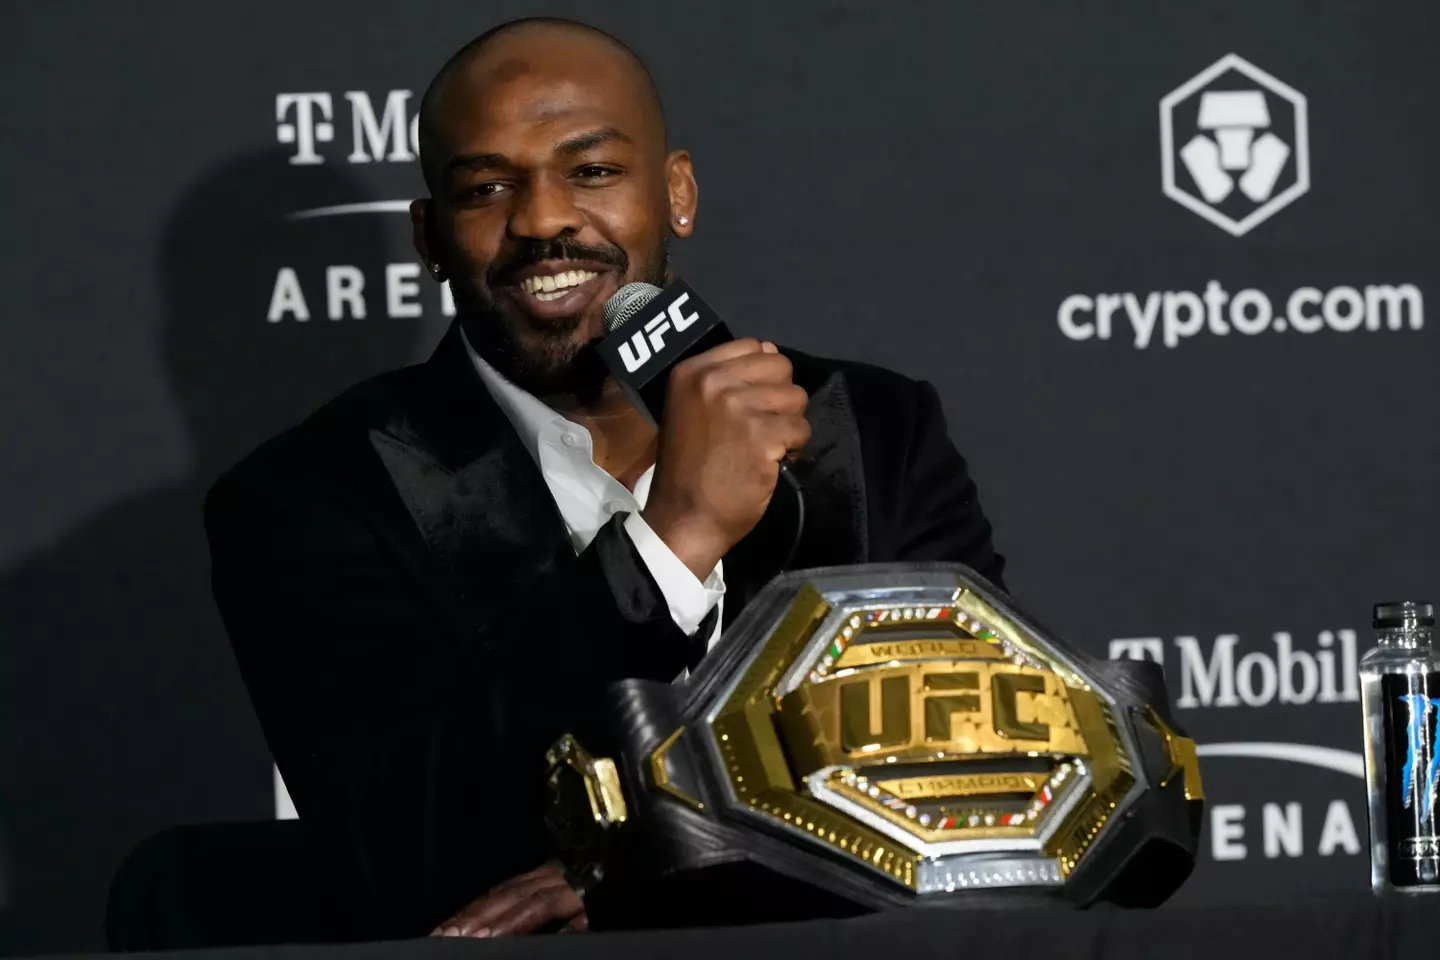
(1404,613)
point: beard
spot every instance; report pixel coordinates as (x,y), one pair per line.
(543,357)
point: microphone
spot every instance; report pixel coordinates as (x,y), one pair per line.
(641,354)
(648,331)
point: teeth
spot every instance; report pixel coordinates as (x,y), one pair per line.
(552,295)
(556,283)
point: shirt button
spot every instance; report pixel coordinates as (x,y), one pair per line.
(569,440)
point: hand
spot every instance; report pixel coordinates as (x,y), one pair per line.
(732,413)
(521,904)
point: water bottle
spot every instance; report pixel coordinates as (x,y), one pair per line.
(1400,698)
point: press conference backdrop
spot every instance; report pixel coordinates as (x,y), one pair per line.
(1167,264)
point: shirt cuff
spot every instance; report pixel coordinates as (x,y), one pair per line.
(689,599)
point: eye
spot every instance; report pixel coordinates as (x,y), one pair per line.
(484,191)
(596,172)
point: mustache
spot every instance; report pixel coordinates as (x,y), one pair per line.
(528,252)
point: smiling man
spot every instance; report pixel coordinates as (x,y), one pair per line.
(431,578)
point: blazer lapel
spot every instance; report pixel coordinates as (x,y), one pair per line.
(833,486)
(474,491)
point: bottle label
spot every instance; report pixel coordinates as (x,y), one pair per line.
(1412,710)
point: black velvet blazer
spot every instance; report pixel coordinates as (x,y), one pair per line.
(415,628)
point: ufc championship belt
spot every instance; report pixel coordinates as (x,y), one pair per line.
(870,737)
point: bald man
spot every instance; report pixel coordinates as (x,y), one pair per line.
(431,578)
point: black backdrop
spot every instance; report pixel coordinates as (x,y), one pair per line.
(968,192)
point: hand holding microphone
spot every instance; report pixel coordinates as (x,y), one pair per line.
(733,414)
(727,410)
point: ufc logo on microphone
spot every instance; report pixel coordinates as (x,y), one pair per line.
(650,340)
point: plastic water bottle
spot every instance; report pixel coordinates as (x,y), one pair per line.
(1400,696)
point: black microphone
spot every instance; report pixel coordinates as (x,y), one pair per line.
(648,331)
(668,326)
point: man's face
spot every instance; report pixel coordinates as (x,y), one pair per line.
(551,191)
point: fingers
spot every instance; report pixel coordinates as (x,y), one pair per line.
(550,904)
(733,350)
(728,351)
(493,917)
(759,383)
(519,905)
(739,361)
(787,435)
(785,398)
(755,368)
(714,381)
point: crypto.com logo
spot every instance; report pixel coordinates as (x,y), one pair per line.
(1236,142)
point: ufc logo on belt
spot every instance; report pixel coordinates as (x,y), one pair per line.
(980,709)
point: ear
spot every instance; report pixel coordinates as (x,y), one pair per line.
(684,192)
(420,219)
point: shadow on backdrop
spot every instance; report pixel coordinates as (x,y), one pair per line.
(128,710)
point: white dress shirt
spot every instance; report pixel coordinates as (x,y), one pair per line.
(588,497)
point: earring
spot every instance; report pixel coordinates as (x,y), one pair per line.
(684,220)
(435,268)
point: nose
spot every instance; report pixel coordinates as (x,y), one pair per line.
(544,210)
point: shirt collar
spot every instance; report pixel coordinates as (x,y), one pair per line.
(530,417)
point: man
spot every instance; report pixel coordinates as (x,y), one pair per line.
(432,577)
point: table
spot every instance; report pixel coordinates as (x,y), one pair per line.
(1353,928)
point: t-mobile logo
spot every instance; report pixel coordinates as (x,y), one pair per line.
(307,121)
(1240,137)
(1140,648)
